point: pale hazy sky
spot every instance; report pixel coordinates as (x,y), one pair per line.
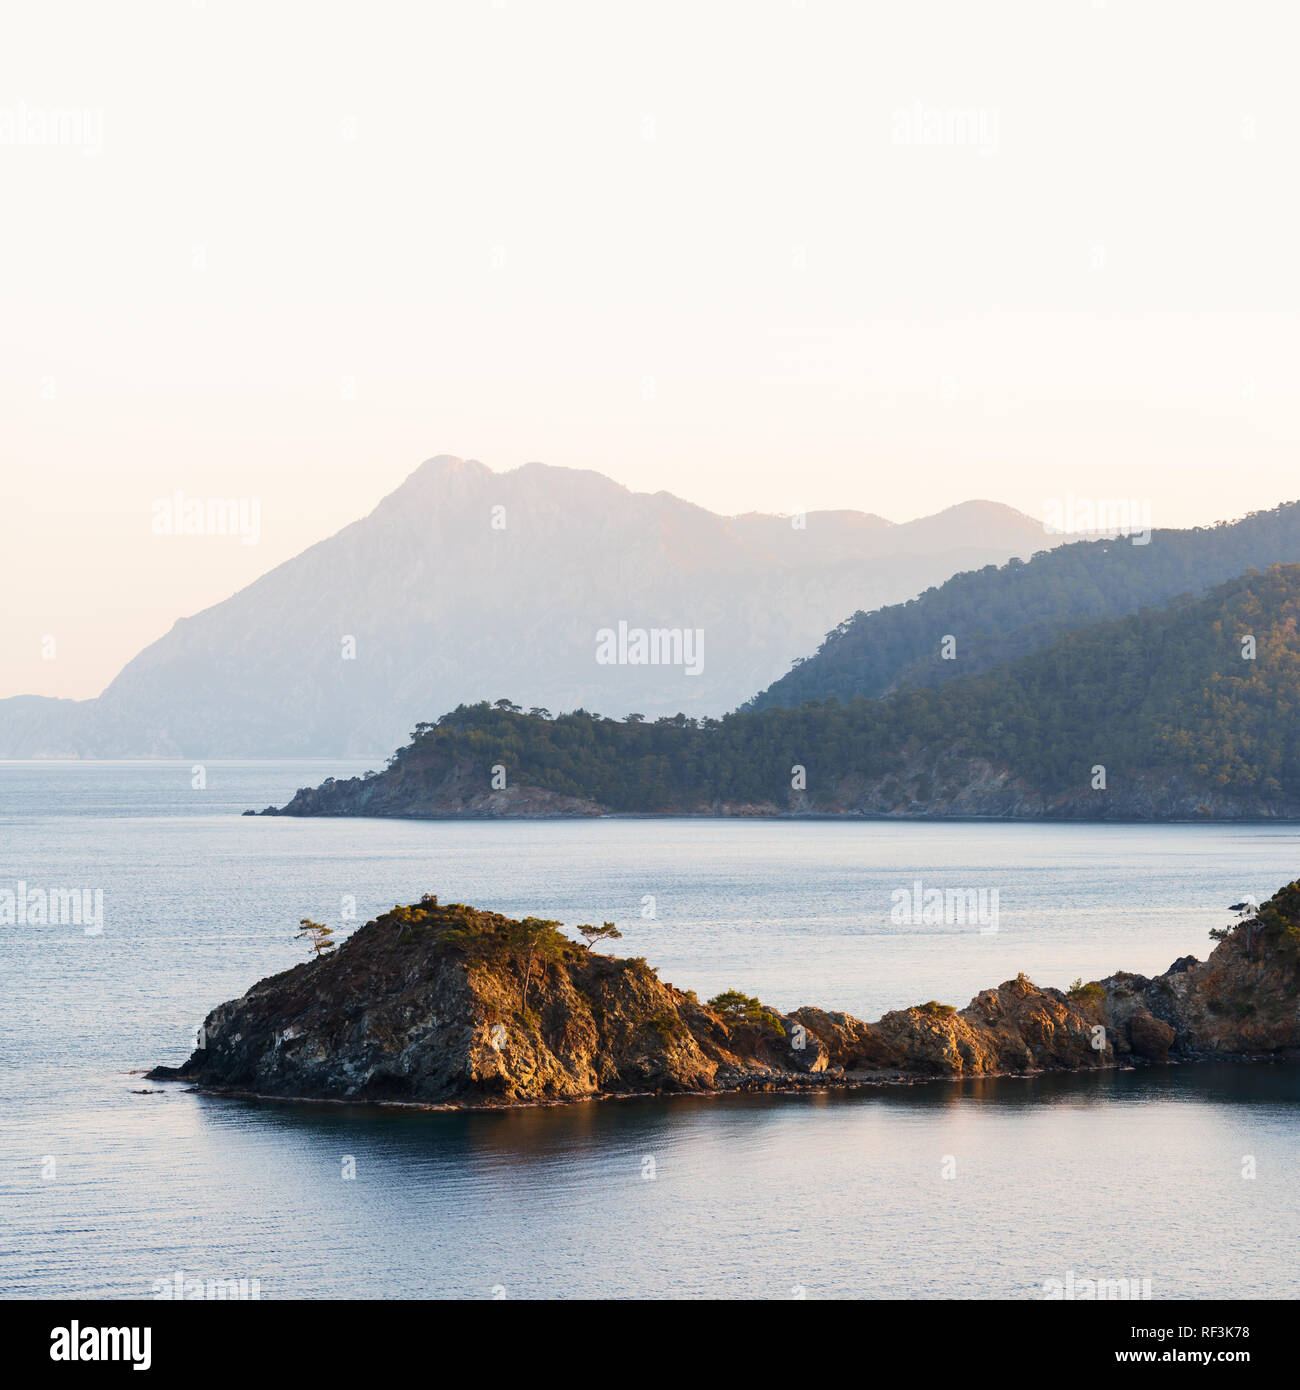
(765,255)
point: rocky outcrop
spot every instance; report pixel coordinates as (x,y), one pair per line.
(446,1005)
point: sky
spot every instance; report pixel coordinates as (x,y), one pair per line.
(768,255)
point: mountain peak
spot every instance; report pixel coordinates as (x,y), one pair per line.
(465,581)
(442,464)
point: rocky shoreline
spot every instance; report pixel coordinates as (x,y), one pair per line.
(444,1006)
(783,1084)
(924,789)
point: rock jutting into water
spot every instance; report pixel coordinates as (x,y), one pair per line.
(448,1005)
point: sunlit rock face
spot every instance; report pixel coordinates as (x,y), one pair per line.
(446,1005)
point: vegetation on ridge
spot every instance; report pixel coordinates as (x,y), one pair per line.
(1163,691)
(1002,613)
(735,1007)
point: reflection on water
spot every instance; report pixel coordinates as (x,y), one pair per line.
(1127,1174)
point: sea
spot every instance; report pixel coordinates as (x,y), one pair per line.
(164,900)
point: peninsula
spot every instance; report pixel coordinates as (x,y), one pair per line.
(1186,712)
(443,1005)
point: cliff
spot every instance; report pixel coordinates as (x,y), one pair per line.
(446,1005)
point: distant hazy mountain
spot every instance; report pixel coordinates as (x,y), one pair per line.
(467,584)
(997,615)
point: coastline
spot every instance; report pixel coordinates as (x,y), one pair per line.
(880,817)
(791,1087)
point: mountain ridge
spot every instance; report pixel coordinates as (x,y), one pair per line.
(995,615)
(442,604)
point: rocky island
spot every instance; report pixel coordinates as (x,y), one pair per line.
(443,1005)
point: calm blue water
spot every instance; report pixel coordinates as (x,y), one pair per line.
(103,1192)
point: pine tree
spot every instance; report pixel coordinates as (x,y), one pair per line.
(320,936)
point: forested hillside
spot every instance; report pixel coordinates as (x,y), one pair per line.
(996,614)
(1186,710)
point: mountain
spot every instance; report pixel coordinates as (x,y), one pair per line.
(465,583)
(445,1005)
(1169,713)
(997,614)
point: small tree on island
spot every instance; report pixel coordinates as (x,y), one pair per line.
(320,936)
(736,1007)
(607,932)
(536,941)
